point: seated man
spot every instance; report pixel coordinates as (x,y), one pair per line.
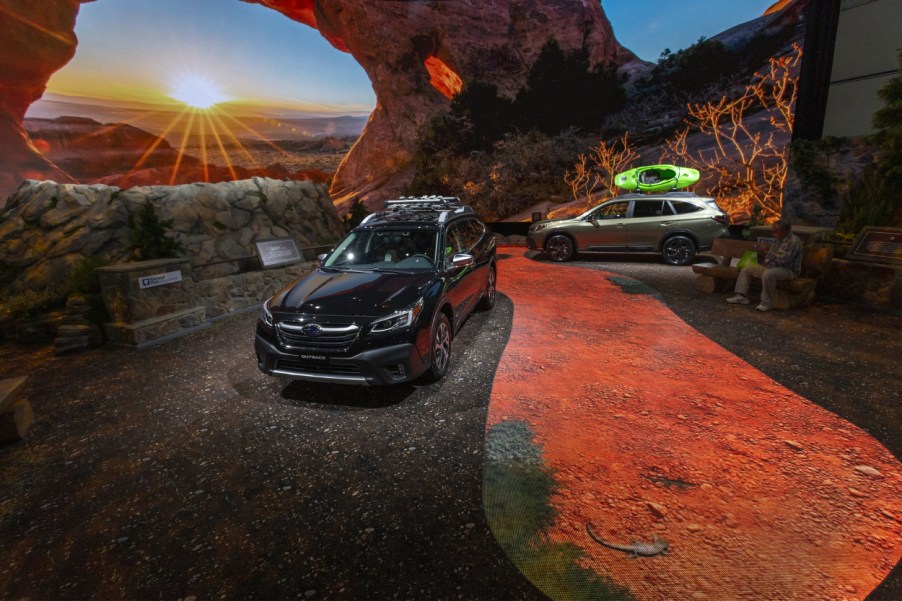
(783,262)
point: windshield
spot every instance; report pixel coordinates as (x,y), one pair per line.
(384,250)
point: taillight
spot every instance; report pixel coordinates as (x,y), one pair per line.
(722,219)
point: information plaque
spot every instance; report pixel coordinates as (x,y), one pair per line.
(879,245)
(159,279)
(278,252)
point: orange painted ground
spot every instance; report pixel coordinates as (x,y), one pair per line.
(790,502)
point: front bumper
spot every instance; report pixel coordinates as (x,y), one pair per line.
(535,240)
(386,365)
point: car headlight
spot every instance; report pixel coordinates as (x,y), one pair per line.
(538,227)
(266,315)
(398,320)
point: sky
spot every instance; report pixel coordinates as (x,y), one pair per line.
(647,27)
(148,49)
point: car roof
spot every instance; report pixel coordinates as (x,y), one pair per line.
(672,195)
(423,210)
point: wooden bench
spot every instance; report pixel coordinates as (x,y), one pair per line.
(15,412)
(721,276)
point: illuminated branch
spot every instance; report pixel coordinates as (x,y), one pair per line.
(746,165)
(607,160)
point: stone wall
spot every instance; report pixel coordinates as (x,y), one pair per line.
(143,312)
(48,227)
(871,285)
(236,292)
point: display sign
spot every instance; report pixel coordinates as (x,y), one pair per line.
(149,281)
(278,252)
(878,244)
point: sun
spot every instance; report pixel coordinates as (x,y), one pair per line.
(197,92)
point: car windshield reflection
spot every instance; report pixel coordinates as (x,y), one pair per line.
(391,251)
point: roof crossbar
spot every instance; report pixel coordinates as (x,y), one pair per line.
(430,203)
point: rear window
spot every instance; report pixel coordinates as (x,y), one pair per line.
(684,208)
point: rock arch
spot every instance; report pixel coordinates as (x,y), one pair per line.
(415,53)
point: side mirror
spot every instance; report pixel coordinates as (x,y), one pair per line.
(462,260)
(321,258)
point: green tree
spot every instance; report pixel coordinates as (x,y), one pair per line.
(565,90)
(696,68)
(888,122)
(148,235)
(356,214)
(873,200)
(482,116)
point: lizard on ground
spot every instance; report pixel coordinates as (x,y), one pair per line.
(656,547)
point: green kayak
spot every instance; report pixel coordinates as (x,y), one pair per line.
(656,178)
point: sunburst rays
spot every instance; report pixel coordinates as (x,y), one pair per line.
(215,126)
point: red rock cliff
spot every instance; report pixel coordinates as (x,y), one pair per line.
(36,39)
(415,53)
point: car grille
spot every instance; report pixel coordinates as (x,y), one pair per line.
(297,366)
(320,336)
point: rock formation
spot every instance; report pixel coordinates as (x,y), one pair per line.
(48,227)
(415,53)
(38,39)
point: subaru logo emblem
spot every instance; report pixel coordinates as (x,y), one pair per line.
(311,329)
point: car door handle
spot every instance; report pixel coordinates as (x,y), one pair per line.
(665,224)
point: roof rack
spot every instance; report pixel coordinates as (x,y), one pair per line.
(429,203)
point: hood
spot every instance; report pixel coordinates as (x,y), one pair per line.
(546,222)
(371,294)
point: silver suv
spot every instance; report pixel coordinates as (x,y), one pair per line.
(675,224)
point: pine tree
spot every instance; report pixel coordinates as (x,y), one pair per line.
(888,122)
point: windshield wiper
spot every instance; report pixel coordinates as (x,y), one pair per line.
(343,269)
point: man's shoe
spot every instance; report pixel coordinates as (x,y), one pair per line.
(763,307)
(738,300)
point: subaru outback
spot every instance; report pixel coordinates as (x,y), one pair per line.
(675,224)
(385,304)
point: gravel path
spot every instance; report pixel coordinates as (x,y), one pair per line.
(181,471)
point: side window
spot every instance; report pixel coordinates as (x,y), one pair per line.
(474,231)
(611,210)
(648,208)
(453,240)
(684,208)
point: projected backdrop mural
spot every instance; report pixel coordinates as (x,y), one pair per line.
(507,118)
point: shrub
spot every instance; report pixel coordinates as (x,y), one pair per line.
(148,235)
(869,203)
(808,158)
(35,302)
(521,170)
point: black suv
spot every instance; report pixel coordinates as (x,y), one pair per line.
(384,305)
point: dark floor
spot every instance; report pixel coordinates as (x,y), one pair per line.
(180,470)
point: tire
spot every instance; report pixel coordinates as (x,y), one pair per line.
(559,248)
(488,298)
(678,250)
(439,349)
